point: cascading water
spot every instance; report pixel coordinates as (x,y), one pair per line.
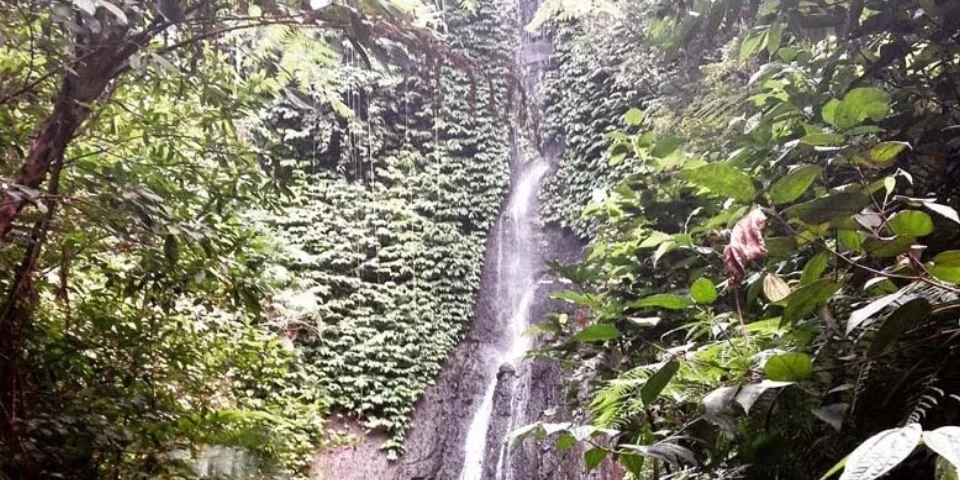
(519,261)
(518,287)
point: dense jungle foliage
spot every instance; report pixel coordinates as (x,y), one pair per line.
(769,190)
(223,222)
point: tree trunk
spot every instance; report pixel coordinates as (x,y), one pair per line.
(97,66)
(49,143)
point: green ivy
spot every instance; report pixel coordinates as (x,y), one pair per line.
(384,236)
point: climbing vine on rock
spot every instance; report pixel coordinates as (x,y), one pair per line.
(586,96)
(384,238)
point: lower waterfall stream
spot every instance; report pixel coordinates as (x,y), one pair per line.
(516,285)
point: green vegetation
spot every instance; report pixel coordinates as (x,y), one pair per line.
(223,222)
(388,267)
(770,276)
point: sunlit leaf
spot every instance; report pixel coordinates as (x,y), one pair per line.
(634,117)
(814,268)
(912,223)
(723,179)
(703,291)
(718,409)
(863,314)
(946,442)
(857,105)
(750,393)
(822,139)
(944,210)
(884,153)
(752,44)
(945,266)
(664,300)
(596,333)
(775,288)
(648,322)
(88,6)
(835,469)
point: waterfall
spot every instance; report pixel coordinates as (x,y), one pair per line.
(518,259)
(518,262)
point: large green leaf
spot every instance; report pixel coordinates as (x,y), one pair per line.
(658,381)
(805,300)
(851,239)
(794,184)
(723,179)
(882,154)
(663,300)
(814,268)
(596,333)
(753,43)
(789,367)
(822,139)
(633,463)
(911,222)
(858,105)
(830,207)
(593,457)
(946,266)
(881,453)
(703,291)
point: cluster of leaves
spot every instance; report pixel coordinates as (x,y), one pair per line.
(586,97)
(383,238)
(773,279)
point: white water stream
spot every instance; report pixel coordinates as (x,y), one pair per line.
(518,261)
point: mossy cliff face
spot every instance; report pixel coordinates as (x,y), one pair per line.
(384,237)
